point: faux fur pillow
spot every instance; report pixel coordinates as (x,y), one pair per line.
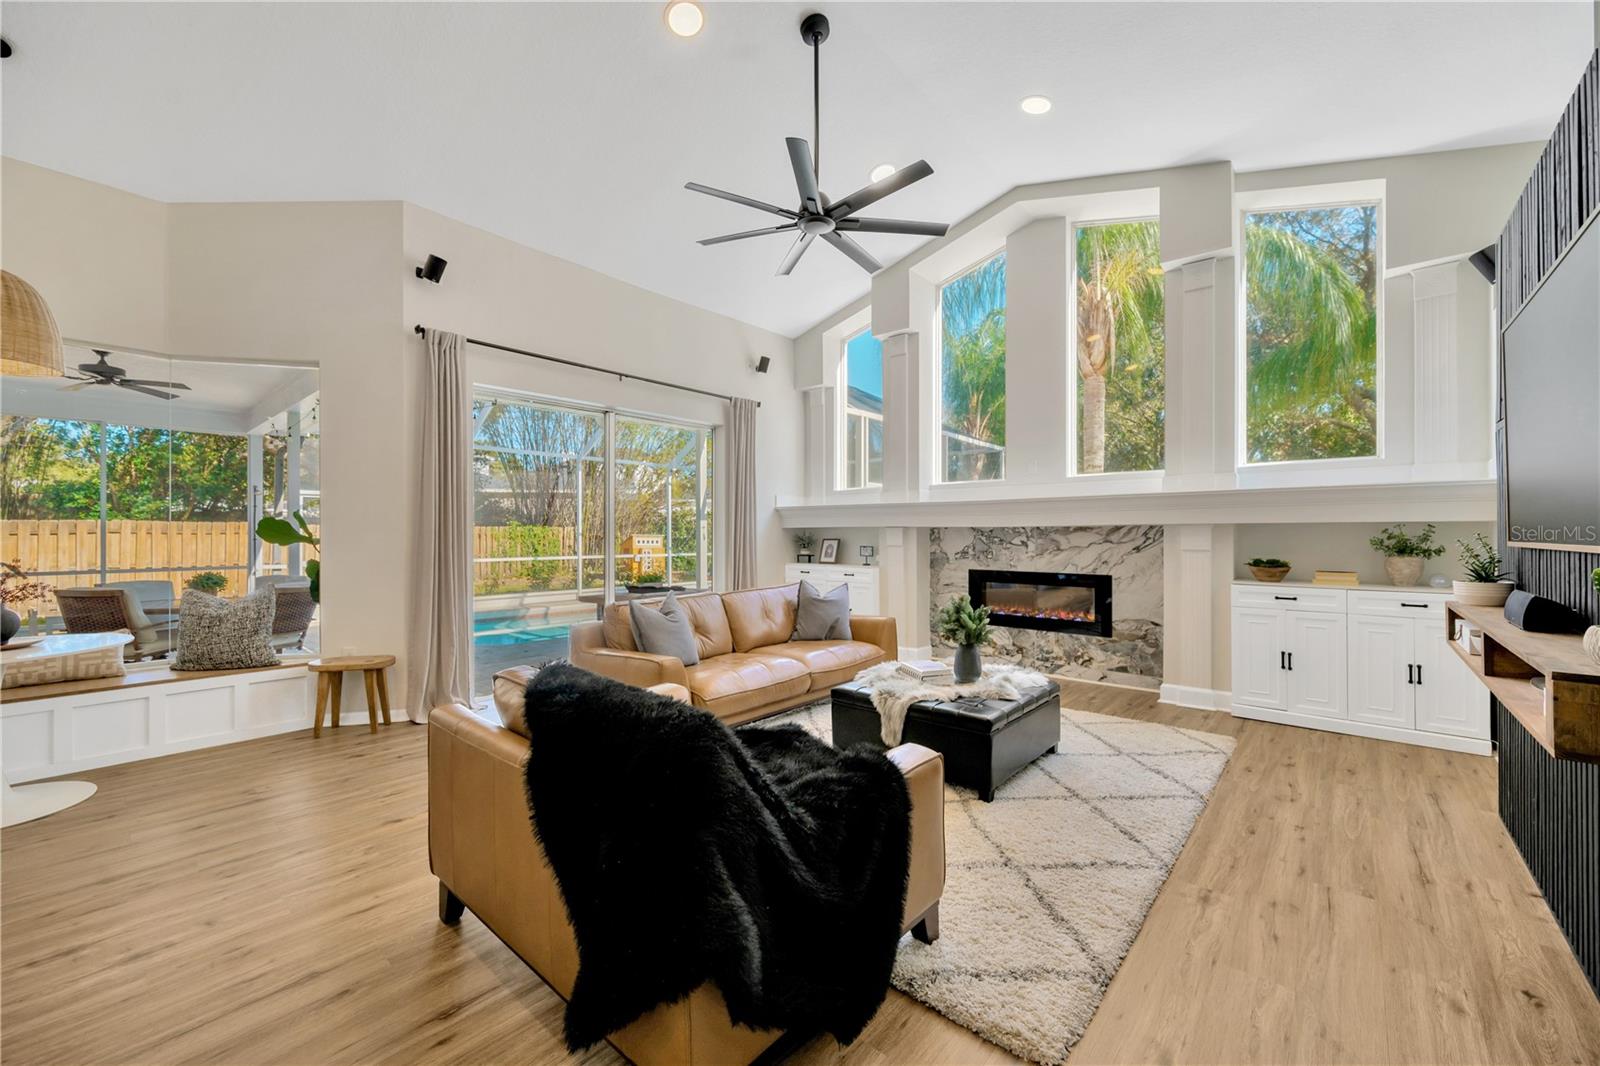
(219,634)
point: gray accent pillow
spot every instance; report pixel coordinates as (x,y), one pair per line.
(219,634)
(664,630)
(822,617)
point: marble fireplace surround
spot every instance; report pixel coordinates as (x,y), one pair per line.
(1132,555)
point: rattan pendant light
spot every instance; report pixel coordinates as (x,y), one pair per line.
(30,342)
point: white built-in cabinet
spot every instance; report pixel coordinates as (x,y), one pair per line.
(863,582)
(1372,661)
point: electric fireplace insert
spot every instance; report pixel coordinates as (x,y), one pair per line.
(1029,599)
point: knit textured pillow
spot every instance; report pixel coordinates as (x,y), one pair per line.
(219,634)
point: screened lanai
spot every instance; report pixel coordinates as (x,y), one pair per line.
(157,487)
(571,502)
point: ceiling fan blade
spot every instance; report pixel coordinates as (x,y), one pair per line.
(82,384)
(157,393)
(163,384)
(795,253)
(748,233)
(805,178)
(894,225)
(871,194)
(695,186)
(862,257)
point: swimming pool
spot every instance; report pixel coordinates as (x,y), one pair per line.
(495,630)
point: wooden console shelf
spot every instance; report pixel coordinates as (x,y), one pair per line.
(1546,680)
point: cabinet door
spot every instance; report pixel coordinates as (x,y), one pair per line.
(1450,698)
(1258,657)
(1316,659)
(863,597)
(1382,670)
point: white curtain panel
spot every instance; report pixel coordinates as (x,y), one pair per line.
(742,494)
(441,659)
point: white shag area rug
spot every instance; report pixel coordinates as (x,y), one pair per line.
(1048,885)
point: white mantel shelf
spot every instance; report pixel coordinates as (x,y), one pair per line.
(989,505)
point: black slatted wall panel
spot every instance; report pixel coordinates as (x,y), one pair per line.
(1550,806)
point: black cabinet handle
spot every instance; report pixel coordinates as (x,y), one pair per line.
(848,574)
(1423,606)
(1286,597)
(1410,680)
(1291,660)
(1281,665)
(1419,673)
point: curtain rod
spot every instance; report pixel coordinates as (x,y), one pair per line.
(619,374)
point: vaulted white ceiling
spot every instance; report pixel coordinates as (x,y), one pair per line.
(572,127)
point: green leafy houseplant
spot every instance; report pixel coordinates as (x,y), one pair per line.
(966,627)
(1404,553)
(1484,585)
(208,581)
(804,542)
(275,530)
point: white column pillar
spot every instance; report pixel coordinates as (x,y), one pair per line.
(819,437)
(291,477)
(903,417)
(1038,300)
(255,504)
(1200,374)
(1197,564)
(903,587)
(1450,370)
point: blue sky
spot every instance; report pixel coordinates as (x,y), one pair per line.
(864,364)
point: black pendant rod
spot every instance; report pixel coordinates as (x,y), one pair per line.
(618,374)
(816,110)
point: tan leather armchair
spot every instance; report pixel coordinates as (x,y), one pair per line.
(748,668)
(482,849)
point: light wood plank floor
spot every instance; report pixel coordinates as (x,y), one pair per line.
(1340,901)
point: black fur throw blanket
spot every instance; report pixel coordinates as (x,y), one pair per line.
(763,860)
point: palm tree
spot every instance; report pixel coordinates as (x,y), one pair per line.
(973,325)
(1119,304)
(1311,338)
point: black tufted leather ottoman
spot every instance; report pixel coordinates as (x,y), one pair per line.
(984,742)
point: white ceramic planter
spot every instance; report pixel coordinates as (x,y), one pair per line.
(1482,593)
(1591,642)
(1404,569)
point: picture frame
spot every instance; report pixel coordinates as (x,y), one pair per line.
(830,550)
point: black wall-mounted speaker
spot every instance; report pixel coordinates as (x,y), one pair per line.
(1535,614)
(433,269)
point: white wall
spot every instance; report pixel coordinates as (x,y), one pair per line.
(333,285)
(1343,546)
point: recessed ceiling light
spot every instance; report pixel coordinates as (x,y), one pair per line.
(685,18)
(1035,105)
(883,170)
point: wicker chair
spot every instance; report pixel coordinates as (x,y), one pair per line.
(293,609)
(112,610)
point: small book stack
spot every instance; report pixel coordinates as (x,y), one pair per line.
(928,671)
(1348,578)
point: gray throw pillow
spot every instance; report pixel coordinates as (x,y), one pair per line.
(219,634)
(665,630)
(819,617)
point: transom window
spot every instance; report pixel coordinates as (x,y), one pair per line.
(862,385)
(972,373)
(1311,333)
(1121,348)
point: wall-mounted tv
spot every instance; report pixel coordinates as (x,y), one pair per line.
(1551,365)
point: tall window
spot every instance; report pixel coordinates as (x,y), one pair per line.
(972,373)
(863,411)
(540,542)
(1121,348)
(1311,333)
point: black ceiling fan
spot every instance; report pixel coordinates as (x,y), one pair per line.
(103,373)
(817,216)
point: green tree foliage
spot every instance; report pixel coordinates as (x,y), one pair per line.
(1122,351)
(49,469)
(1311,334)
(973,372)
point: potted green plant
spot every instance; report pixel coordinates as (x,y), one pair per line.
(208,581)
(17,586)
(275,530)
(1485,585)
(1273,570)
(967,627)
(1404,553)
(804,542)
(1591,636)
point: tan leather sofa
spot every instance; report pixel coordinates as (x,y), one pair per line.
(482,848)
(748,666)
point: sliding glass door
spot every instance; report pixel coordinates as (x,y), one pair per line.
(541,543)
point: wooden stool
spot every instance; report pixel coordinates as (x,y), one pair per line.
(330,678)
